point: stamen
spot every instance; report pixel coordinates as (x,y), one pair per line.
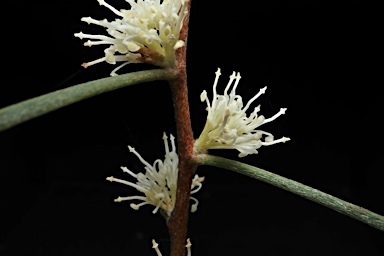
(111,179)
(238,77)
(113,72)
(155,246)
(91,43)
(81,35)
(120,199)
(87,64)
(173,143)
(131,149)
(137,206)
(196,182)
(194,206)
(231,78)
(262,91)
(188,245)
(165,143)
(125,169)
(158,206)
(90,20)
(102,2)
(281,112)
(218,73)
(203,96)
(284,139)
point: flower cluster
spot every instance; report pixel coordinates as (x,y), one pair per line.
(159,182)
(156,247)
(229,127)
(148,32)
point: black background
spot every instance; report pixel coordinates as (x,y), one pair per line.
(318,58)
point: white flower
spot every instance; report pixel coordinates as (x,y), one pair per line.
(229,127)
(159,183)
(148,32)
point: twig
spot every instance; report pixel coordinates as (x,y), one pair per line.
(334,203)
(177,223)
(26,110)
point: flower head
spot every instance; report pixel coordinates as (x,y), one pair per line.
(155,246)
(159,182)
(148,32)
(229,127)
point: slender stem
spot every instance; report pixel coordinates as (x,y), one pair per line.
(177,223)
(26,110)
(337,204)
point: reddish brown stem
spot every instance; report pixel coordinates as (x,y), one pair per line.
(177,223)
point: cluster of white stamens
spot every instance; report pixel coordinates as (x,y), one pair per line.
(159,183)
(148,32)
(156,247)
(229,127)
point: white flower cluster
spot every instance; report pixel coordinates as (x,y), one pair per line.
(156,247)
(148,32)
(229,127)
(159,182)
